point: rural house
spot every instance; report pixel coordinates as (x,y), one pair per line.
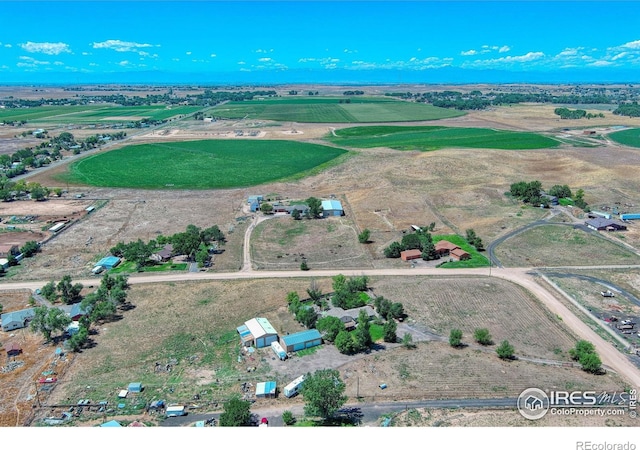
(332,208)
(17,319)
(408,255)
(163,255)
(257,332)
(446,248)
(602,224)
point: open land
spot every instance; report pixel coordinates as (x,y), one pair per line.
(383,190)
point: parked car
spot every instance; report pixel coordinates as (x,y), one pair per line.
(607,294)
(47,380)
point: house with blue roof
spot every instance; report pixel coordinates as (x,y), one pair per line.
(17,319)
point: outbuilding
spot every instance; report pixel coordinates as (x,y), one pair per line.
(12,349)
(332,208)
(135,387)
(299,341)
(266,389)
(109,262)
(257,332)
(17,319)
(111,423)
(602,224)
(408,255)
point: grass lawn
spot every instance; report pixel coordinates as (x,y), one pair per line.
(130,267)
(477,259)
(376,332)
(330,110)
(627,137)
(436,137)
(211,164)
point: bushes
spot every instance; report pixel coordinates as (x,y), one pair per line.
(585,353)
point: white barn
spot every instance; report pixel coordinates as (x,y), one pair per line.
(257,332)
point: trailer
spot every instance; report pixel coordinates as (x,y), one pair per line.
(175,411)
(632,216)
(278,350)
(57,227)
(293,388)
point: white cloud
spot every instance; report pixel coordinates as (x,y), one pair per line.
(346,50)
(86,53)
(504,49)
(635,45)
(122,46)
(260,50)
(213,55)
(601,63)
(124,63)
(619,55)
(187,53)
(531,56)
(48,48)
(242,63)
(469,53)
(264,59)
(28,61)
(8,45)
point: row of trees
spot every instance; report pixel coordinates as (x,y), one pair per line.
(532,193)
(193,242)
(566,113)
(10,190)
(483,337)
(628,109)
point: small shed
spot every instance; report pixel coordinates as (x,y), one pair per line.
(408,255)
(123,393)
(254,206)
(255,198)
(135,387)
(266,389)
(73,328)
(299,341)
(12,349)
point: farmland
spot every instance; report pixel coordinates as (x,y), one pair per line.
(433,138)
(212,164)
(86,114)
(558,245)
(629,137)
(333,110)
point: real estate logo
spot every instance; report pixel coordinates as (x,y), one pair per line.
(533,403)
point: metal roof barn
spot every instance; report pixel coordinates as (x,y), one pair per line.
(266,389)
(257,332)
(299,341)
(332,208)
(17,319)
(135,387)
(109,262)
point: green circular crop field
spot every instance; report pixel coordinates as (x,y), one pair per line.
(211,164)
(629,137)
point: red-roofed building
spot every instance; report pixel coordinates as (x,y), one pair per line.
(443,248)
(459,255)
(408,255)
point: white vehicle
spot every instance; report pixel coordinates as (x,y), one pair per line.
(175,411)
(292,388)
(607,294)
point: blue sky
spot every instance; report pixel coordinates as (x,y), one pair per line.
(78,41)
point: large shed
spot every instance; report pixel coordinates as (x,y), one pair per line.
(17,319)
(266,389)
(408,255)
(257,332)
(135,387)
(108,262)
(600,224)
(332,208)
(299,341)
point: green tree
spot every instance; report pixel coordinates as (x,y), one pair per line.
(363,237)
(429,251)
(345,343)
(393,250)
(288,418)
(307,316)
(482,336)
(314,293)
(455,337)
(411,241)
(39,192)
(78,340)
(57,192)
(407,341)
(315,207)
(49,291)
(362,335)
(266,208)
(582,348)
(237,413)
(304,266)
(591,363)
(49,320)
(389,329)
(323,393)
(29,248)
(505,350)
(69,293)
(396,310)
(296,214)
(329,326)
